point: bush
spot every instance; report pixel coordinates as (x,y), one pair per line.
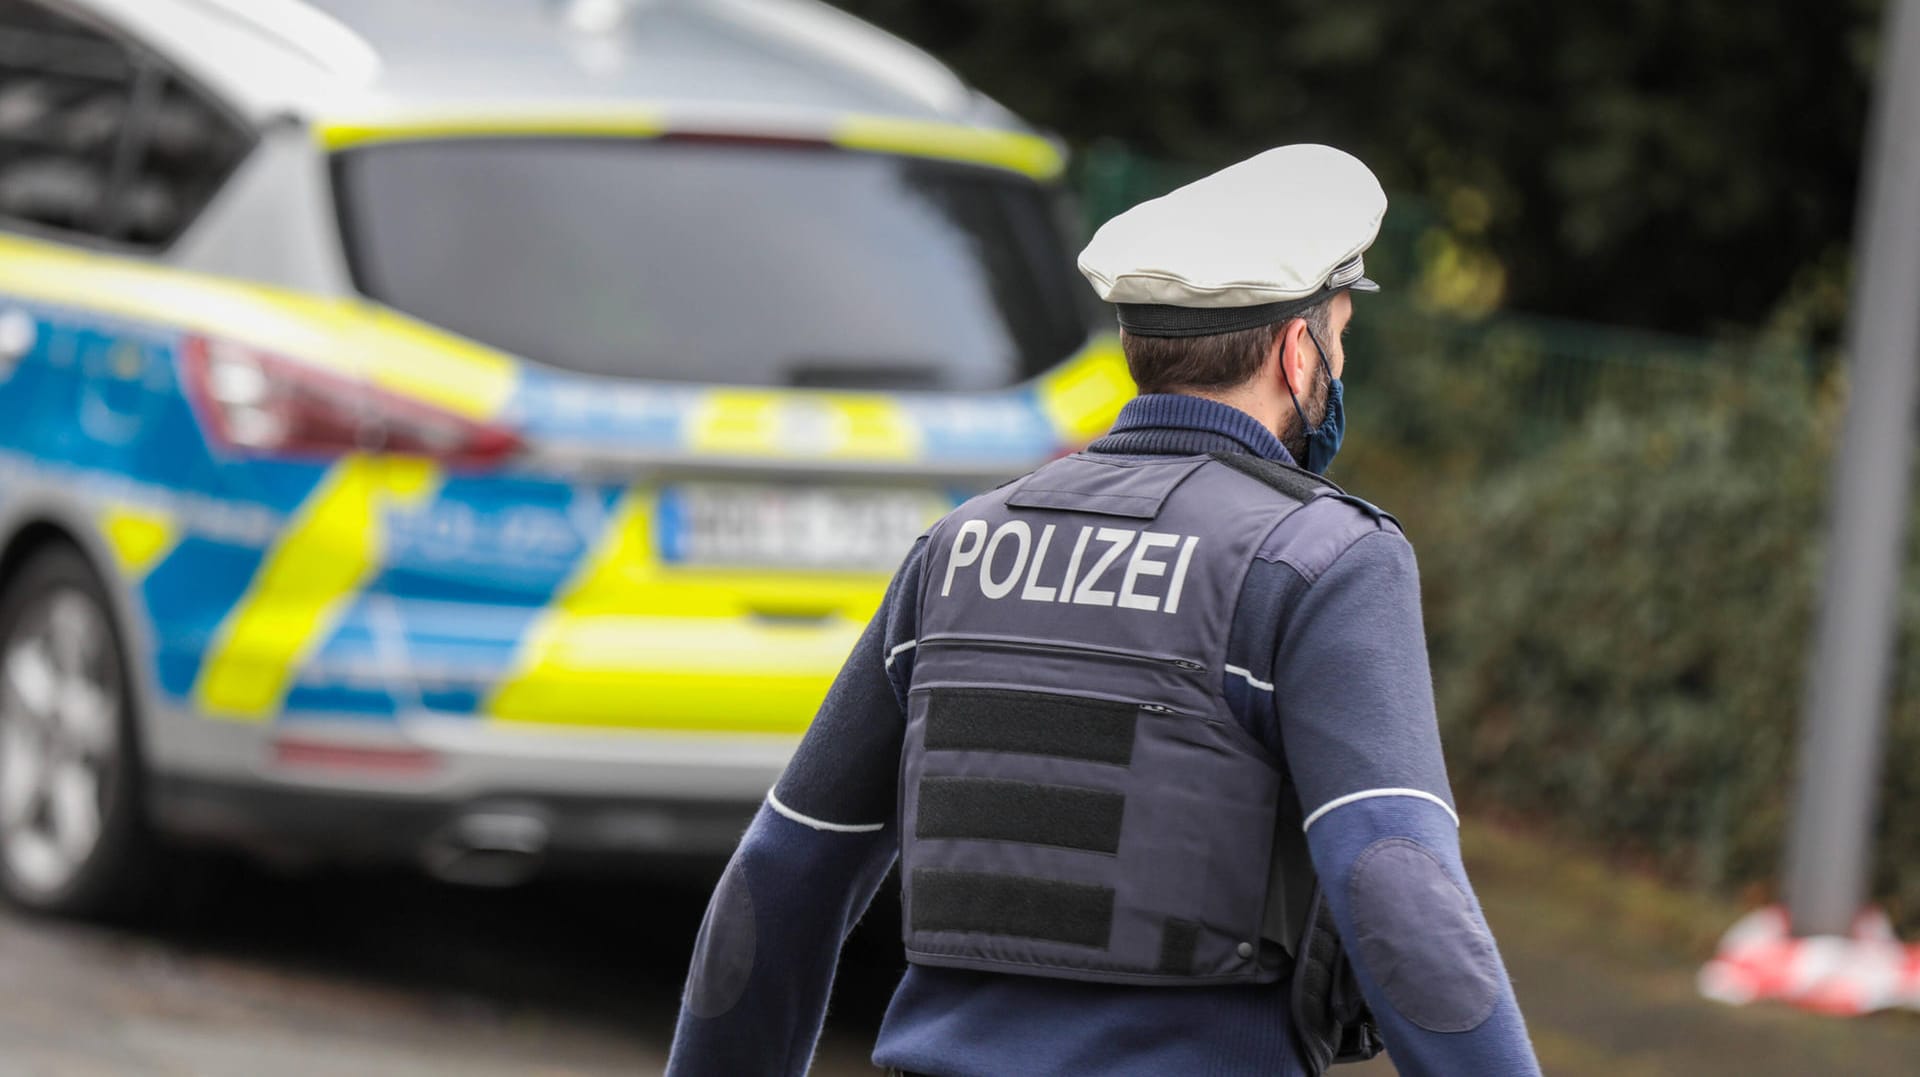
(1620,625)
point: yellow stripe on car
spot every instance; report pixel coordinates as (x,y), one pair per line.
(1012,150)
(677,674)
(1083,396)
(139,538)
(336,135)
(326,554)
(635,644)
(130,287)
(339,335)
(748,422)
(421,362)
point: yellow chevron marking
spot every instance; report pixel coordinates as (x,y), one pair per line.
(322,560)
(639,645)
(343,336)
(1082,396)
(139,537)
(750,422)
(1012,150)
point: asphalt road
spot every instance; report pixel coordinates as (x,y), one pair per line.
(378,975)
(372,976)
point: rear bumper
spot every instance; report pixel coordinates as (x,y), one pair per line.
(572,833)
(430,790)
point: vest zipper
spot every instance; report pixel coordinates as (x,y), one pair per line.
(1067,648)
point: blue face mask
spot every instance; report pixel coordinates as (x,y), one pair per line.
(1323,440)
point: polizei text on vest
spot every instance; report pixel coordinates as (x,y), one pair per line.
(1099,566)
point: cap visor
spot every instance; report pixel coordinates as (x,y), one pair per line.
(1363,285)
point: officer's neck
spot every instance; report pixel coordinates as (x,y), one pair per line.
(1249,398)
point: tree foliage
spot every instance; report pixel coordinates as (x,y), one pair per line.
(1683,164)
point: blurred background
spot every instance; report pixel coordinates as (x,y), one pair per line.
(1601,388)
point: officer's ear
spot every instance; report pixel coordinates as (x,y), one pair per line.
(1293,353)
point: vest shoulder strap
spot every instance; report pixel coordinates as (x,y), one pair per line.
(1297,483)
(1300,484)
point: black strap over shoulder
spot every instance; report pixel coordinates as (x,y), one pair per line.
(1295,482)
(1298,483)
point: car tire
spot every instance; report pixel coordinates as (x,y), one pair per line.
(73,840)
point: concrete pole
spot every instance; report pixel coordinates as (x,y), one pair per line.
(1829,853)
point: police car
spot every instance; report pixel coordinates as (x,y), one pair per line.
(476,432)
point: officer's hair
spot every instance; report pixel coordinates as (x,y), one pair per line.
(1219,361)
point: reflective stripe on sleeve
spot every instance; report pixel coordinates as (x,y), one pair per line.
(821,824)
(1369,794)
(1247,676)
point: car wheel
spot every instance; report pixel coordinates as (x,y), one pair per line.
(71,837)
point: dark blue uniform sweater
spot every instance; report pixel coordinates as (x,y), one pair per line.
(1329,638)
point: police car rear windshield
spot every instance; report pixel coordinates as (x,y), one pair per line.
(751,264)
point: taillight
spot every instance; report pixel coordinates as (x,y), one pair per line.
(258,402)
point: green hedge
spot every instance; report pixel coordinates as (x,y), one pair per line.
(1620,612)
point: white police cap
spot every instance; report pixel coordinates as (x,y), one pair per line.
(1251,244)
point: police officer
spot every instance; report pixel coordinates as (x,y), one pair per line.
(1150,729)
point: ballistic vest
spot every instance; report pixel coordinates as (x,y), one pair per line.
(1076,799)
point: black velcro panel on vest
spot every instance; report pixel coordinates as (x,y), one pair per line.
(1294,482)
(988,809)
(1178,940)
(1044,909)
(1030,723)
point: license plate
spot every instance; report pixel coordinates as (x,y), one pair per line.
(819,527)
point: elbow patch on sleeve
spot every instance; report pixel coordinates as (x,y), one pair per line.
(723,953)
(1419,938)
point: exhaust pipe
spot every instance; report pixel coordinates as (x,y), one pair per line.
(494,848)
